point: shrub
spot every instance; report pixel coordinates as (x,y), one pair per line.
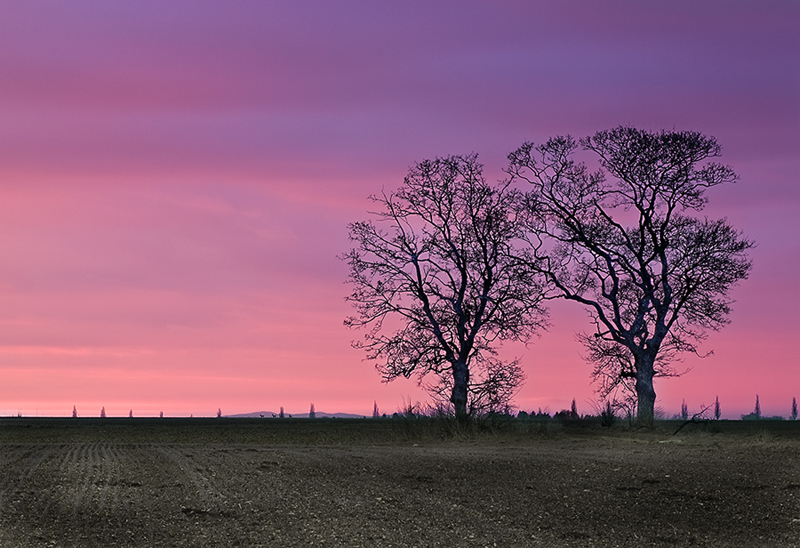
(607,417)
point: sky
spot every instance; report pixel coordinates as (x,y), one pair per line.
(176,180)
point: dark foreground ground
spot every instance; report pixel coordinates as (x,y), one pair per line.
(218,482)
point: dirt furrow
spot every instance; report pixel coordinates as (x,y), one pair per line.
(206,501)
(19,464)
(111,490)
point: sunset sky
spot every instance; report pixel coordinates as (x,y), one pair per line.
(177,178)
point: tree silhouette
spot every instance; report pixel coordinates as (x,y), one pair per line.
(440,286)
(375,412)
(622,242)
(102,412)
(717,411)
(794,409)
(74,412)
(312,414)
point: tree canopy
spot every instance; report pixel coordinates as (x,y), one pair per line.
(623,242)
(437,278)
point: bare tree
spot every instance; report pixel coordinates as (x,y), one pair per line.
(653,277)
(717,410)
(312,413)
(793,415)
(436,278)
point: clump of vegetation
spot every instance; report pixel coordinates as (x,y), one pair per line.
(756,414)
(607,416)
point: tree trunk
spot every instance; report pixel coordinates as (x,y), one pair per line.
(645,394)
(459,396)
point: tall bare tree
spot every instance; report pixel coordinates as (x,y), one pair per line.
(654,277)
(436,278)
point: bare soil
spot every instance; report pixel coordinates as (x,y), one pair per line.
(334,482)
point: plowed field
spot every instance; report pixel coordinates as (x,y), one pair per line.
(139,482)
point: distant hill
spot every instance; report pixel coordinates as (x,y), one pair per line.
(272,414)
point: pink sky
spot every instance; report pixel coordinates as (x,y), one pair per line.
(177,177)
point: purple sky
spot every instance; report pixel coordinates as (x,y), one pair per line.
(177,178)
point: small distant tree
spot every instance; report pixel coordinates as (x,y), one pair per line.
(573,414)
(161,415)
(684,411)
(437,280)
(757,411)
(794,409)
(717,412)
(281,415)
(312,414)
(102,412)
(74,412)
(130,414)
(219,413)
(375,412)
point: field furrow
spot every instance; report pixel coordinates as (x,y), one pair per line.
(104,487)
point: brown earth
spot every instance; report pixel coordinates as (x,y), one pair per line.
(140,482)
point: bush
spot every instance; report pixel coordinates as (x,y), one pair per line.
(607,416)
